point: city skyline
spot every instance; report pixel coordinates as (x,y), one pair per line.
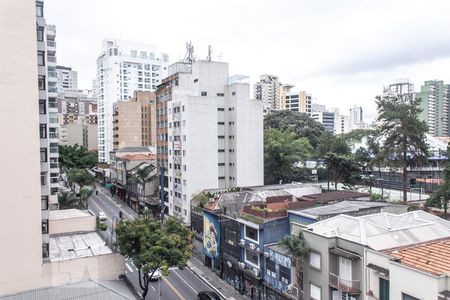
(371,44)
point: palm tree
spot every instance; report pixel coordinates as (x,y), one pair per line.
(298,249)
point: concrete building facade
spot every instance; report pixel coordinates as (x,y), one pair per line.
(356,119)
(325,118)
(122,68)
(267,90)
(67,79)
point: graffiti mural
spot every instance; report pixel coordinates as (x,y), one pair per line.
(211,235)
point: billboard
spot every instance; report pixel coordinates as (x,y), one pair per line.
(211,235)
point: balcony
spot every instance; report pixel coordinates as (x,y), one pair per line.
(53,135)
(345,285)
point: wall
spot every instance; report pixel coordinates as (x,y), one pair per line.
(20,232)
(274,230)
(60,226)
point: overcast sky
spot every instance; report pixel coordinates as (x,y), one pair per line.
(342,52)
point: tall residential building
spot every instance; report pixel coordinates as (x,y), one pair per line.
(356,119)
(135,121)
(399,87)
(295,101)
(340,122)
(268,91)
(122,68)
(67,79)
(210,132)
(435,96)
(326,118)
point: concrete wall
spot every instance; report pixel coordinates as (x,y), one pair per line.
(80,224)
(20,234)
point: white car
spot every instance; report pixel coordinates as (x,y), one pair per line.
(101,216)
(156,275)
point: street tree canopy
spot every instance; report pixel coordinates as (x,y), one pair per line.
(282,150)
(152,245)
(403,132)
(342,168)
(76,156)
(440,197)
(80,177)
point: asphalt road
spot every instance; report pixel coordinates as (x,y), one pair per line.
(178,285)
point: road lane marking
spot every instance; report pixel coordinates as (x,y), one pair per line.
(153,288)
(185,282)
(116,204)
(93,202)
(128,267)
(173,288)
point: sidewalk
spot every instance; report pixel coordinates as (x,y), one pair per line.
(214,281)
(118,201)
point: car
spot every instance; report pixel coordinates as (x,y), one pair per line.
(156,275)
(101,216)
(207,295)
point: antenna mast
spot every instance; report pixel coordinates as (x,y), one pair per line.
(189,57)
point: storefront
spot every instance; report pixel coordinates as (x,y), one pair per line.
(252,286)
(231,272)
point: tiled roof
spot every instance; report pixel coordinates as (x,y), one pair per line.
(134,149)
(431,257)
(139,157)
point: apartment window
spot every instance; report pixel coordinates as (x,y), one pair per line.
(204,94)
(44,202)
(40,33)
(196,80)
(220,123)
(41,58)
(43,154)
(314,259)
(220,94)
(384,289)
(41,82)
(230,236)
(184,167)
(408,297)
(39,9)
(221,150)
(42,107)
(45,250)
(184,152)
(252,258)
(53,191)
(184,138)
(220,109)
(233,93)
(251,233)
(315,292)
(285,274)
(170,166)
(43,131)
(45,226)
(221,164)
(270,268)
(43,178)
(221,136)
(221,177)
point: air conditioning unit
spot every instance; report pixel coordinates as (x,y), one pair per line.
(242,242)
(252,246)
(257,249)
(256,271)
(266,254)
(292,290)
(242,265)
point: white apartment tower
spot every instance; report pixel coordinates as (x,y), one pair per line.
(214,135)
(356,120)
(67,79)
(399,87)
(122,68)
(268,91)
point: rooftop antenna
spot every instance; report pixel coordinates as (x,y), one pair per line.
(189,57)
(208,58)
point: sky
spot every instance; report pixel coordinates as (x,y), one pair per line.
(342,52)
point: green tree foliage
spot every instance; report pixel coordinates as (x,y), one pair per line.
(403,132)
(329,143)
(68,200)
(299,123)
(152,244)
(282,150)
(76,156)
(80,177)
(440,197)
(299,250)
(341,168)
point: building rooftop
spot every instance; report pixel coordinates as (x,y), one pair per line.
(68,214)
(384,230)
(134,149)
(344,207)
(335,196)
(88,290)
(432,256)
(139,156)
(65,247)
(278,247)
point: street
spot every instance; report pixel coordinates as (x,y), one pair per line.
(179,284)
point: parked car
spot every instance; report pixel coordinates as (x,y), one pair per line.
(207,295)
(156,275)
(101,216)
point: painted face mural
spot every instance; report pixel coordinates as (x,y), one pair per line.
(210,236)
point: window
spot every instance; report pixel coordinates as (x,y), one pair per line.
(221,150)
(230,236)
(45,226)
(251,233)
(39,9)
(196,80)
(41,82)
(43,178)
(384,289)
(43,154)
(40,33)
(184,167)
(233,93)
(44,202)
(204,94)
(285,274)
(221,137)
(252,258)
(41,58)
(270,268)
(42,107)
(408,297)
(45,250)
(220,109)
(221,177)
(314,259)
(43,131)
(220,94)
(220,123)
(314,292)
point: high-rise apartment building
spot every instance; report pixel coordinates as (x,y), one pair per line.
(267,89)
(67,79)
(135,121)
(210,133)
(435,100)
(356,120)
(295,101)
(326,118)
(399,87)
(122,68)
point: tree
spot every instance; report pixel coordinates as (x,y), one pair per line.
(299,123)
(440,197)
(282,150)
(298,249)
(378,155)
(68,200)
(80,177)
(77,157)
(403,132)
(153,245)
(328,142)
(341,168)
